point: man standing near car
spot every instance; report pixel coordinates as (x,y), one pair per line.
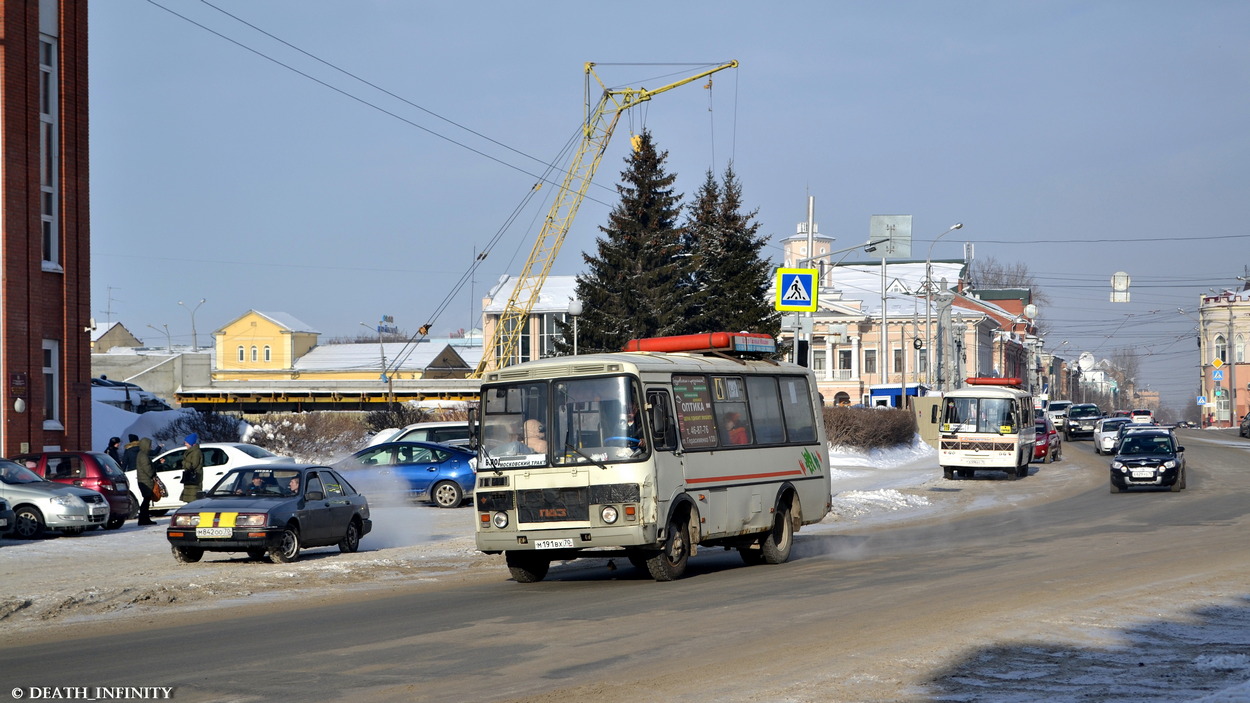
(192,469)
(145,474)
(130,452)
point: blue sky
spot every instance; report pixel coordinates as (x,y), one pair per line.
(1078,138)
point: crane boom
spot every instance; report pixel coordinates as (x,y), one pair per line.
(600,122)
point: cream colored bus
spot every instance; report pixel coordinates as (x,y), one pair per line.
(689,441)
(986,425)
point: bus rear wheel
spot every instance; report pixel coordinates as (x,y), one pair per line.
(779,540)
(527,567)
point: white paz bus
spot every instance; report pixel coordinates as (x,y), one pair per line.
(676,443)
(986,425)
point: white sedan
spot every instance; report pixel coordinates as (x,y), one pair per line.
(1107,433)
(219,458)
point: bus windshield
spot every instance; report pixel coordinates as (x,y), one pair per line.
(994,415)
(566,421)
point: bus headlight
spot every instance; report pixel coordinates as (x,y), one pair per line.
(608,514)
(500,520)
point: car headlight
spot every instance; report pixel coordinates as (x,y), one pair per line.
(500,520)
(608,514)
(185,520)
(250,520)
(1170,464)
(1117,466)
(67,500)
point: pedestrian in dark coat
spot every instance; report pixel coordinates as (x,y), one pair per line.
(114,449)
(192,469)
(131,450)
(145,475)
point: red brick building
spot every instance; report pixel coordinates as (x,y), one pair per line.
(45,292)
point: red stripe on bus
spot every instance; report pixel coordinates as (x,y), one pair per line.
(739,477)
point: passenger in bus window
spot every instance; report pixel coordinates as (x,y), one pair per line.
(535,436)
(737,433)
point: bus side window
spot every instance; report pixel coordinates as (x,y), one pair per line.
(662,425)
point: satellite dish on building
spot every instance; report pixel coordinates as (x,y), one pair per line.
(1086,361)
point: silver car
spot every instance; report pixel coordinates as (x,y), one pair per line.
(1107,434)
(40,505)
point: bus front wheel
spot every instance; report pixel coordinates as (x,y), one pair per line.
(670,562)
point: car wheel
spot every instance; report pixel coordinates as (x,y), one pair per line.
(527,567)
(1183,477)
(188,555)
(287,549)
(28,523)
(948,473)
(670,562)
(1117,489)
(447,494)
(351,539)
(780,539)
(134,507)
(256,554)
(114,522)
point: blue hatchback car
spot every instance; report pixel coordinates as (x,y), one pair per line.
(438,473)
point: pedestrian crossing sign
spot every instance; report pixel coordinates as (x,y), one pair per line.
(796,290)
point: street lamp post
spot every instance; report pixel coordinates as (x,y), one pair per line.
(169,342)
(928,295)
(575,311)
(195,341)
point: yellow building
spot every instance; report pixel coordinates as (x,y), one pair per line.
(260,344)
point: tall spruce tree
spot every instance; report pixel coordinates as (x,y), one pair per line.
(635,286)
(729,281)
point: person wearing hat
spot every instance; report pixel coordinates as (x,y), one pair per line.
(192,469)
(114,449)
(130,452)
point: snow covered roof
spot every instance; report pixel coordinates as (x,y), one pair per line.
(554,296)
(400,356)
(288,321)
(99,332)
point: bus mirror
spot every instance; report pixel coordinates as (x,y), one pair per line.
(660,424)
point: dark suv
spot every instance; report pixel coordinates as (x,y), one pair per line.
(94,470)
(1148,458)
(1244,430)
(1080,420)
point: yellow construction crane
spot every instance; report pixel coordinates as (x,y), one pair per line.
(601,120)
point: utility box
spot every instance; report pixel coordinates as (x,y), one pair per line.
(928,411)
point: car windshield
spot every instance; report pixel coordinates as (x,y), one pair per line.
(1088,411)
(1113,425)
(259,482)
(255,452)
(14,474)
(978,415)
(1145,444)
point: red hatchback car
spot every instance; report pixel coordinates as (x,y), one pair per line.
(94,470)
(1047,446)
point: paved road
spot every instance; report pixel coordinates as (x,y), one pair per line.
(891,615)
